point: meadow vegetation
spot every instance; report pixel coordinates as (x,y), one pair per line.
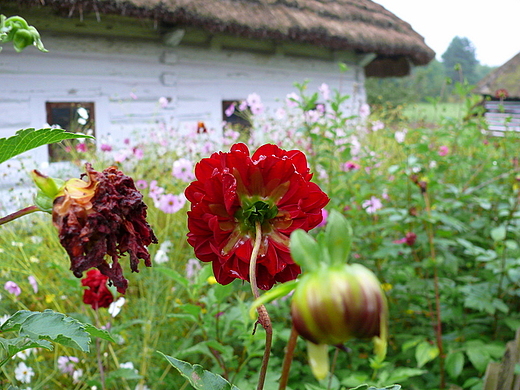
(434,207)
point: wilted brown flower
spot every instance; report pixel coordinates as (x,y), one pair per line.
(104,215)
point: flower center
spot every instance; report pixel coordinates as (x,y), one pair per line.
(254,211)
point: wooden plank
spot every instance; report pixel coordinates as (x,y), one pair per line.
(491,376)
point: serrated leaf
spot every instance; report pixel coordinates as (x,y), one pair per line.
(199,378)
(49,325)
(455,364)
(425,352)
(27,139)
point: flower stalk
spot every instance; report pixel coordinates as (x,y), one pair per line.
(19,213)
(263,315)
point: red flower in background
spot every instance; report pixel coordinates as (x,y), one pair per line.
(233,192)
(97,295)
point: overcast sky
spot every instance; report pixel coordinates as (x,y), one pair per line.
(493,26)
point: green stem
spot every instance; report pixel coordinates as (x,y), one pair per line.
(263,315)
(19,213)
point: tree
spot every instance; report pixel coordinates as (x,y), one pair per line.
(460,61)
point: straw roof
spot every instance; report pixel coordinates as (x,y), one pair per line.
(505,77)
(358,25)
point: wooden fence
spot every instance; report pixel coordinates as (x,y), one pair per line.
(501,376)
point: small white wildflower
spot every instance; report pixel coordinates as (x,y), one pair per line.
(23,373)
(115,307)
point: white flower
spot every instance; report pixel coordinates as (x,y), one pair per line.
(142,386)
(115,307)
(23,373)
(128,366)
(76,375)
(25,353)
(400,136)
(4,318)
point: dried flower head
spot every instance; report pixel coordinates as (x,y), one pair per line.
(104,215)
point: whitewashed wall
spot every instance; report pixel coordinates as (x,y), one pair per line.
(110,72)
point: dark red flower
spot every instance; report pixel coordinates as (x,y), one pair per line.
(103,216)
(97,295)
(232,192)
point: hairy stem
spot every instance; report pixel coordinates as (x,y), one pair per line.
(263,315)
(18,214)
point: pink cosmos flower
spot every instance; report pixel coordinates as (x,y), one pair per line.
(141,184)
(325,91)
(81,147)
(230,110)
(443,150)
(292,100)
(183,169)
(364,111)
(372,205)
(325,215)
(66,364)
(163,102)
(377,125)
(133,95)
(138,153)
(170,203)
(350,166)
(105,148)
(12,288)
(33,283)
(242,106)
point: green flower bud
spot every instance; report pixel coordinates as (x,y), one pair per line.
(22,39)
(48,190)
(333,305)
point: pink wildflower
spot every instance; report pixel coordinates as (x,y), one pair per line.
(170,203)
(350,166)
(183,170)
(364,111)
(325,91)
(105,148)
(408,239)
(242,106)
(325,215)
(292,99)
(141,184)
(443,150)
(81,147)
(12,288)
(372,205)
(230,110)
(133,95)
(33,283)
(66,364)
(163,102)
(377,125)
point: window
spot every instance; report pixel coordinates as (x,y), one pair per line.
(75,117)
(236,120)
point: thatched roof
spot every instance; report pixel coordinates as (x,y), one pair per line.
(505,77)
(358,25)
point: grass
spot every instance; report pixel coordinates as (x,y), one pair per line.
(430,113)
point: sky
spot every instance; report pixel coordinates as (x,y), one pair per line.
(493,26)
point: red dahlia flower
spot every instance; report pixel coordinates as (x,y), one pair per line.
(103,216)
(232,192)
(97,295)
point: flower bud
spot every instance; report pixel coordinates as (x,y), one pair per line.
(333,305)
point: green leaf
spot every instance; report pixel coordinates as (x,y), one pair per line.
(338,237)
(278,291)
(52,326)
(425,352)
(400,374)
(28,139)
(455,364)
(99,333)
(498,233)
(305,250)
(199,378)
(477,354)
(174,275)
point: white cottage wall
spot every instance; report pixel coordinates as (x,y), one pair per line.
(125,80)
